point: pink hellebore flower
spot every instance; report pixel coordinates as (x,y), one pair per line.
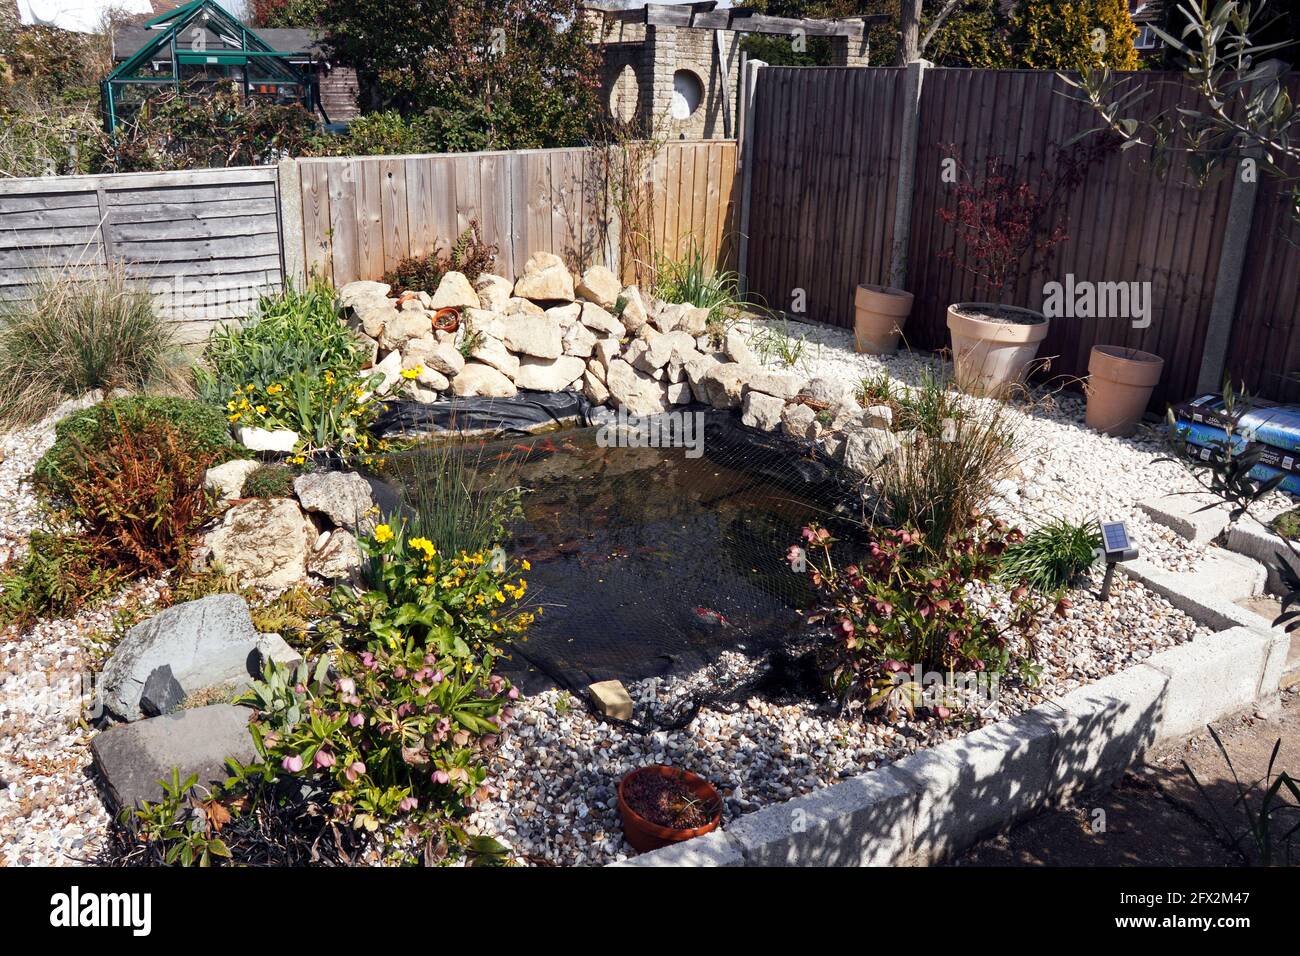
(300,689)
(324,760)
(347,685)
(408,804)
(440,776)
(513,693)
(355,770)
(399,672)
(357,720)
(438,677)
(292,763)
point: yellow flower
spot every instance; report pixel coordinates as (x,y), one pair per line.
(383,533)
(526,566)
(412,373)
(275,389)
(298,459)
(329,377)
(234,417)
(261,409)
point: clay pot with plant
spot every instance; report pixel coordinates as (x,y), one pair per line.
(665,805)
(1119,387)
(1008,225)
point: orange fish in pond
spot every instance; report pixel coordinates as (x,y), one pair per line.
(710,617)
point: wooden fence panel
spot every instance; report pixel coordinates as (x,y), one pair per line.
(552,200)
(826,152)
(207,243)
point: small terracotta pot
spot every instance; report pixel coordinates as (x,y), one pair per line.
(879,316)
(644,835)
(446,320)
(1120,382)
(991,358)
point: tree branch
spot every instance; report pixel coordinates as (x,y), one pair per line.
(937,23)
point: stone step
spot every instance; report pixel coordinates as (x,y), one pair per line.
(1227,575)
(1198,517)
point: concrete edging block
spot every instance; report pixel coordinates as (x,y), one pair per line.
(1210,678)
(864,821)
(1248,538)
(1204,608)
(718,848)
(1187,515)
(982,783)
(1106,727)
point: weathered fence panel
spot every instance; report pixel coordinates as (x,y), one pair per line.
(362,215)
(822,199)
(205,242)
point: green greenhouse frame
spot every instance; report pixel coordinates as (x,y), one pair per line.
(182,49)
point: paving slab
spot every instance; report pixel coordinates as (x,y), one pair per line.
(1198,517)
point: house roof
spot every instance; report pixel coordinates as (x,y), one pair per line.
(129,40)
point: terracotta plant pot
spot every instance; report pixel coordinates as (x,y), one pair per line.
(880,314)
(644,835)
(1119,387)
(991,357)
(446,320)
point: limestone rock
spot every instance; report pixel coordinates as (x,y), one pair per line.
(336,556)
(264,542)
(546,279)
(695,321)
(390,368)
(405,327)
(606,351)
(227,481)
(565,315)
(344,497)
(455,292)
(594,388)
(668,317)
(634,314)
(678,393)
(516,305)
(362,290)
(826,390)
(600,286)
(442,357)
(491,351)
(259,439)
(373,314)
(579,340)
(611,699)
(784,385)
(638,394)
(799,421)
(866,448)
(493,290)
(477,378)
(761,410)
(736,348)
(601,322)
(204,643)
(549,375)
(725,384)
(535,336)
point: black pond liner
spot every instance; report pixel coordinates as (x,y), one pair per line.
(649,562)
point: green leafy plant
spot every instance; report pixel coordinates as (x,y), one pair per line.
(692,280)
(469,255)
(82,329)
(60,573)
(269,481)
(1052,556)
(906,602)
(461,605)
(951,452)
(1271,825)
(203,429)
(181,828)
(396,737)
(774,344)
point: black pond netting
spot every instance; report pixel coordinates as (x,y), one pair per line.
(650,561)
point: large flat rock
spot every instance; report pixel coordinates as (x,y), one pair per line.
(133,758)
(185,649)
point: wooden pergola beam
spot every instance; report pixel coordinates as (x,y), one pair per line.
(706,16)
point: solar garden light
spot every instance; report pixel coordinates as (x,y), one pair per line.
(1116,546)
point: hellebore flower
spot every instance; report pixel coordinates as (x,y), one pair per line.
(440,776)
(408,804)
(324,760)
(347,685)
(355,770)
(357,720)
(512,693)
(292,763)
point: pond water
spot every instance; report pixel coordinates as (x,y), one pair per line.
(650,561)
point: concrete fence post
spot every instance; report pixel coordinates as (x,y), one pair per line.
(1232,263)
(293,249)
(745,151)
(905,186)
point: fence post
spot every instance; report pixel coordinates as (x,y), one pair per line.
(905,186)
(745,149)
(293,250)
(1232,262)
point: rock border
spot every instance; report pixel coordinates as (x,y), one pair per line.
(930,805)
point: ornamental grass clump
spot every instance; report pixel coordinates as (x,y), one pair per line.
(81,330)
(1052,557)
